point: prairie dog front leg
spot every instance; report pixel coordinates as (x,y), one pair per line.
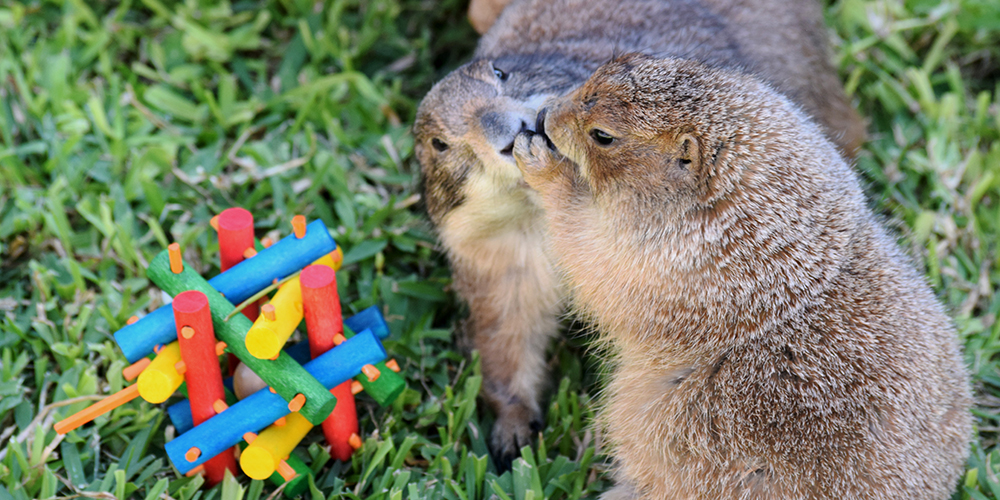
(514,307)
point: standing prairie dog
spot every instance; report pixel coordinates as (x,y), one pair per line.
(771,339)
(489,223)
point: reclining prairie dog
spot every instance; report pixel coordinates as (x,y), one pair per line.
(772,341)
(489,222)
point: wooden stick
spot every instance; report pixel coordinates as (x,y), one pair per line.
(261,458)
(97,409)
(235,229)
(342,423)
(235,236)
(299,226)
(321,307)
(202,373)
(132,371)
(160,379)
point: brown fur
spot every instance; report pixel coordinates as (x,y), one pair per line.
(489,222)
(771,339)
(483,13)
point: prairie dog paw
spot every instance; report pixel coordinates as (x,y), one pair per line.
(512,431)
(620,492)
(538,161)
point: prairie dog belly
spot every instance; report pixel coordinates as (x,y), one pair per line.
(500,231)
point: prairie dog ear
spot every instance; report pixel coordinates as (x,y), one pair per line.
(483,13)
(688,152)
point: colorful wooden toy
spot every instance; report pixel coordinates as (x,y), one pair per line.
(296,397)
(283,374)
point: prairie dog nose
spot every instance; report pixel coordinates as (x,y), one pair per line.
(500,128)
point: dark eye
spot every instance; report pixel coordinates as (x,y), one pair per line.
(603,138)
(439,145)
(500,74)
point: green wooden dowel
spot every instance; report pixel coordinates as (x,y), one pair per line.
(297,486)
(387,387)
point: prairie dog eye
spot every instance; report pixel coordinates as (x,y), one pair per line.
(439,145)
(601,137)
(499,73)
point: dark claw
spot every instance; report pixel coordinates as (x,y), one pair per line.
(536,425)
(504,461)
(540,128)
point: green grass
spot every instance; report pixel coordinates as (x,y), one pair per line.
(124,128)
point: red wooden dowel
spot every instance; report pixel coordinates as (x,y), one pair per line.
(202,373)
(235,236)
(321,308)
(342,423)
(235,228)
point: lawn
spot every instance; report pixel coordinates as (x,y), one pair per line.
(125,127)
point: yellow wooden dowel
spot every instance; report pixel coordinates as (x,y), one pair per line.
(160,379)
(272,445)
(269,333)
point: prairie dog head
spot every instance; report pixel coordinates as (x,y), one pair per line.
(713,189)
(685,133)
(464,132)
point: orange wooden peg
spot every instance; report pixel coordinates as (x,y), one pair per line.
(297,402)
(371,372)
(174,252)
(219,406)
(299,226)
(132,371)
(354,441)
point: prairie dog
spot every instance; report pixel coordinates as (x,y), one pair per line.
(772,341)
(489,223)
